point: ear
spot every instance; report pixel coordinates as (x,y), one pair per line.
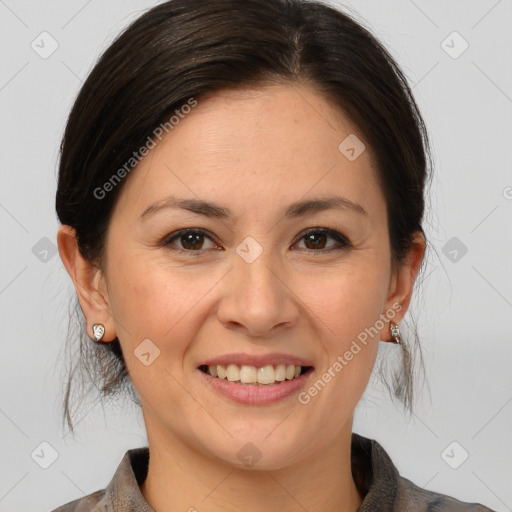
(402,283)
(89,283)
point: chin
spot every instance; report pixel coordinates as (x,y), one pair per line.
(258,451)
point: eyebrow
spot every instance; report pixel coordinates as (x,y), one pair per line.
(294,210)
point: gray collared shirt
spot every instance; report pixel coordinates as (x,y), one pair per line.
(376,476)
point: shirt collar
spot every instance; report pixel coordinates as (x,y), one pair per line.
(373,471)
(375,475)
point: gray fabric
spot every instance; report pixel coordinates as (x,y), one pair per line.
(376,476)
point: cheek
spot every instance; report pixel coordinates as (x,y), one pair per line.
(140,299)
(346,306)
(153,299)
(345,300)
(153,302)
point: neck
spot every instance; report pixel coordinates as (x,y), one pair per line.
(180,477)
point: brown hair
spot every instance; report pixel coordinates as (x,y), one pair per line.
(193,48)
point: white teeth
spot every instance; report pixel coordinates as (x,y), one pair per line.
(247,374)
(280,372)
(266,375)
(221,371)
(233,372)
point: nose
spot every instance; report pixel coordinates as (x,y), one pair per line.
(257,299)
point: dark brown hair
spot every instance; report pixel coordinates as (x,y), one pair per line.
(184,49)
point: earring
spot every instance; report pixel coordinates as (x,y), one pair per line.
(98,331)
(395,333)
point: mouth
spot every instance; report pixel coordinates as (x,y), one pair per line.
(248,375)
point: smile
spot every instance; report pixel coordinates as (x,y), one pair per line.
(247,374)
(264,386)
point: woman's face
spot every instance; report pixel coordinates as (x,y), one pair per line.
(260,277)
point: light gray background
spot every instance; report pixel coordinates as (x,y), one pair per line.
(465,320)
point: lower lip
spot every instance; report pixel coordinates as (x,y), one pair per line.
(257,395)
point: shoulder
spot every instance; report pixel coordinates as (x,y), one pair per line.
(90,503)
(122,494)
(384,489)
(410,497)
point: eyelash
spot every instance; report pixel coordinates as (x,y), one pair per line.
(343,242)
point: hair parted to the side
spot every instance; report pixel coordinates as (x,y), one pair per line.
(184,49)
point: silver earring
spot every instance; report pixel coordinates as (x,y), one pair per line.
(395,333)
(98,331)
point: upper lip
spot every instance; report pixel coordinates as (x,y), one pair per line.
(256,360)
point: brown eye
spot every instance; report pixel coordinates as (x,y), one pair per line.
(191,240)
(317,239)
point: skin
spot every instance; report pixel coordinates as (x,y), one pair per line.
(255,152)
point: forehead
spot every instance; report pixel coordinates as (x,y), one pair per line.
(274,143)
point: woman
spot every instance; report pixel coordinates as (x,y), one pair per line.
(241,192)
